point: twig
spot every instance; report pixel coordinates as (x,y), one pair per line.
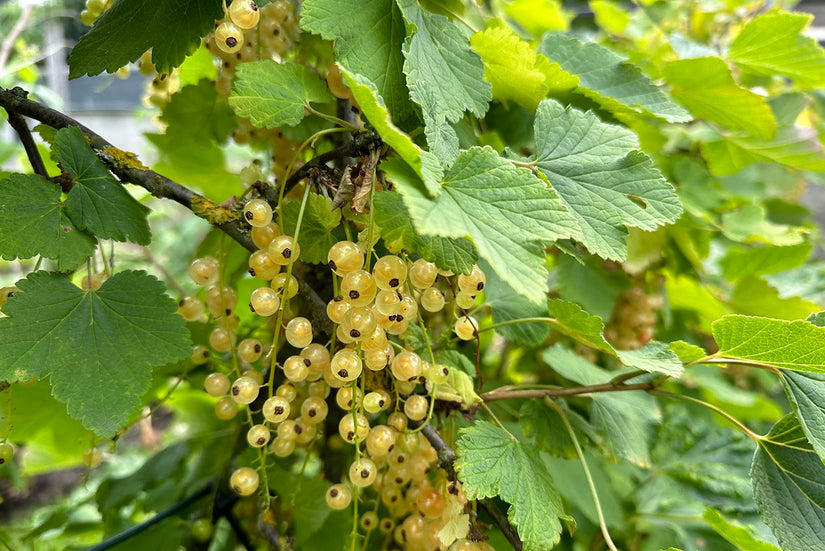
(500,394)
(163,515)
(128,169)
(19,27)
(19,124)
(361,144)
(501,521)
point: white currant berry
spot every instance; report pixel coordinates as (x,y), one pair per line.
(226,409)
(262,266)
(229,37)
(407,366)
(390,272)
(244,481)
(263,236)
(249,350)
(432,299)
(264,301)
(336,308)
(244,390)
(416,407)
(244,13)
(299,332)
(282,447)
(279,282)
(282,249)
(465,328)
(423,273)
(217,384)
(276,409)
(346,365)
(6,453)
(338,497)
(362,472)
(200,354)
(205,270)
(344,257)
(472,284)
(358,288)
(191,308)
(258,436)
(296,368)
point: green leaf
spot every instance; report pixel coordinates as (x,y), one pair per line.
(506,211)
(578,324)
(507,304)
(317,227)
(740,262)
(624,420)
(196,113)
(795,345)
(735,533)
(424,163)
(98,202)
(53,439)
(490,463)
(444,75)
(653,357)
(755,296)
(546,428)
(368,40)
(774,43)
(309,508)
(33,221)
(806,392)
(538,16)
(456,360)
(609,80)
(272,94)
(170,28)
(789,487)
(458,388)
(510,66)
(602,177)
(706,87)
(687,352)
(793,146)
(99,346)
(458,255)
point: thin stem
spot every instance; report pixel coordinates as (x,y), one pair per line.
(602,524)
(332,118)
(19,124)
(520,394)
(19,27)
(752,435)
(497,421)
(766,367)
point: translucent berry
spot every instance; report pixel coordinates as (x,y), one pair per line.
(374,402)
(465,301)
(263,236)
(346,428)
(257,211)
(261,265)
(249,350)
(338,497)
(346,365)
(221,340)
(205,270)
(244,390)
(282,249)
(407,366)
(299,332)
(244,481)
(6,453)
(276,409)
(279,282)
(472,284)
(296,368)
(416,407)
(264,301)
(380,440)
(221,300)
(216,384)
(200,354)
(344,257)
(362,472)
(191,308)
(318,356)
(359,323)
(282,447)
(336,308)
(431,503)
(465,328)
(423,273)
(358,288)
(202,530)
(226,409)
(432,299)
(229,37)
(257,436)
(368,521)
(314,410)
(390,272)
(244,13)
(437,374)
(388,303)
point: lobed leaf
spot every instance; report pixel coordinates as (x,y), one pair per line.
(609,80)
(97,346)
(490,463)
(789,487)
(794,345)
(98,202)
(506,211)
(272,94)
(319,227)
(34,221)
(170,28)
(774,44)
(602,177)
